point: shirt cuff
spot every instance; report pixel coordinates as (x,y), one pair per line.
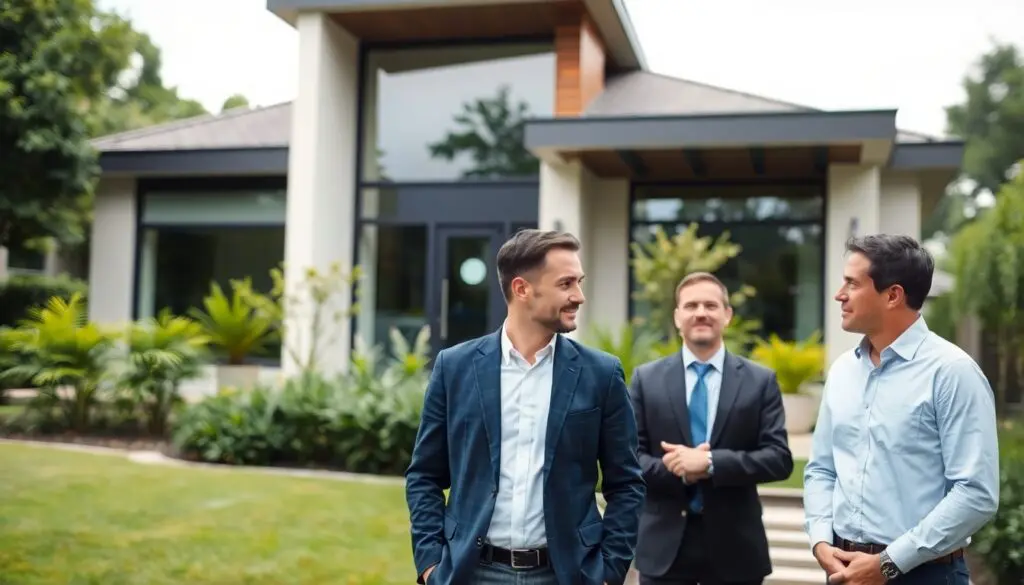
(711,464)
(821,532)
(905,554)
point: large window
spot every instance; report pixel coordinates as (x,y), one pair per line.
(780,229)
(392,292)
(191,238)
(449,113)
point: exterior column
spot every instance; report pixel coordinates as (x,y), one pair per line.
(900,205)
(561,208)
(321,180)
(853,208)
(112,252)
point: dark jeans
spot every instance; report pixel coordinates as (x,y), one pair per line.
(497,574)
(954,573)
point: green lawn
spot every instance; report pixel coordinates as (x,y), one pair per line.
(796,479)
(75,519)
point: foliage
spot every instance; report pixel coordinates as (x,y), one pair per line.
(235,101)
(794,363)
(55,58)
(941,316)
(632,344)
(357,421)
(491,134)
(305,315)
(991,120)
(234,325)
(163,352)
(991,251)
(659,265)
(21,292)
(1001,541)
(63,355)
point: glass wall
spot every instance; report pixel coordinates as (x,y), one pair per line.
(392,293)
(450,113)
(780,229)
(189,239)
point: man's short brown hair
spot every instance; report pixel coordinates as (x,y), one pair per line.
(526,251)
(695,277)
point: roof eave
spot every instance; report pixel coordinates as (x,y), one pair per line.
(203,162)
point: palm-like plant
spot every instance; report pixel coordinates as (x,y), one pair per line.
(233,324)
(164,351)
(60,350)
(794,363)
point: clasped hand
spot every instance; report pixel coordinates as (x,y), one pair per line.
(689,463)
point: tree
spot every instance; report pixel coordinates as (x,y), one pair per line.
(492,135)
(235,101)
(57,58)
(987,261)
(991,122)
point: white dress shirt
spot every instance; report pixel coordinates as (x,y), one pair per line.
(518,519)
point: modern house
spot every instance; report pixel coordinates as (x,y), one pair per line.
(376,163)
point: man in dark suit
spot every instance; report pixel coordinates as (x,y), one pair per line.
(515,424)
(711,427)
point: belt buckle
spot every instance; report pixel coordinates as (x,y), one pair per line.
(536,558)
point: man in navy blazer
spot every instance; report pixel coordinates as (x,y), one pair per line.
(515,424)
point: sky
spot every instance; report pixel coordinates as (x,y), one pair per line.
(907,54)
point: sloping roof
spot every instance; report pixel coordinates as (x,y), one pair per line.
(264,127)
(637,93)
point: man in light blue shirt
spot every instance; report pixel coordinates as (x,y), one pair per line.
(904,464)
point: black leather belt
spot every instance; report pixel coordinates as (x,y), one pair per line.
(874,549)
(530,558)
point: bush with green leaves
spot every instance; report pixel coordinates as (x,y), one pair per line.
(364,420)
(20,292)
(1001,541)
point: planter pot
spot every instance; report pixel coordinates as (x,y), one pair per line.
(801,410)
(238,377)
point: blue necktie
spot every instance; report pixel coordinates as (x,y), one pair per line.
(698,409)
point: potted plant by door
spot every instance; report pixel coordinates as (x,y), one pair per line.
(798,367)
(238,331)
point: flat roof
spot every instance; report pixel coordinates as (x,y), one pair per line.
(720,130)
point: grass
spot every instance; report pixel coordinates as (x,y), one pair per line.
(79,519)
(795,480)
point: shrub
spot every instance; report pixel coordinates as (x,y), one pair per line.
(363,421)
(1001,541)
(19,293)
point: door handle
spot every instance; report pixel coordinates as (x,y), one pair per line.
(444,309)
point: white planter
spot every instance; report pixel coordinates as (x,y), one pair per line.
(237,377)
(801,410)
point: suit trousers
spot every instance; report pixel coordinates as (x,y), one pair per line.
(691,565)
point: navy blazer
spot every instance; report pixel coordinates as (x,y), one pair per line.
(458,446)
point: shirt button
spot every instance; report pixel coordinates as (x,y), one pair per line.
(479,542)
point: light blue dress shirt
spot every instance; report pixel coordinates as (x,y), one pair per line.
(904,454)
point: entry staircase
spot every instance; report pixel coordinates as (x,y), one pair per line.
(792,561)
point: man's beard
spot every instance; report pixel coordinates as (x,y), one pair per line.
(555,324)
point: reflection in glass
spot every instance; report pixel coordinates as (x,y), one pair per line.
(454,112)
(727,203)
(393,262)
(465,304)
(782,242)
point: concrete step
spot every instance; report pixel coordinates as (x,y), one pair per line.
(792,576)
(781,497)
(793,558)
(783,518)
(788,539)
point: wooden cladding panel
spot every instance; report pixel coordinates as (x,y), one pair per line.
(580,58)
(455,22)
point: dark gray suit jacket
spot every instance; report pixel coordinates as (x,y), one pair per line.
(749,446)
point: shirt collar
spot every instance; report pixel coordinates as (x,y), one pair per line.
(717,361)
(905,346)
(508,350)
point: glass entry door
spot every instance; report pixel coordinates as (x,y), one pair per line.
(469,299)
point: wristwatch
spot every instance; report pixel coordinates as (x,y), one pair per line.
(889,568)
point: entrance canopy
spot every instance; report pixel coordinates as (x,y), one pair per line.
(786,144)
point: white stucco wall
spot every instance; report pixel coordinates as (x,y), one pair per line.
(596,211)
(112,252)
(321,173)
(853,208)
